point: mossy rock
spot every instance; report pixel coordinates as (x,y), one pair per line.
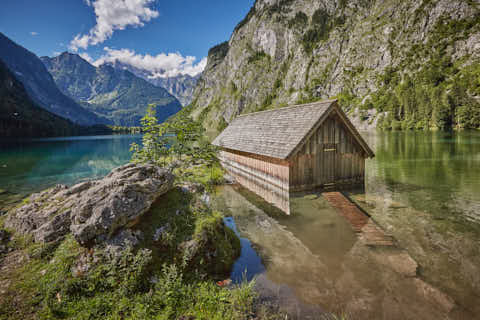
(180,228)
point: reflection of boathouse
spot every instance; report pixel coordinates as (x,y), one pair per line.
(275,152)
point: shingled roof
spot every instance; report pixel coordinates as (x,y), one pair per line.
(277,133)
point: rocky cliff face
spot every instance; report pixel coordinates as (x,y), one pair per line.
(117,95)
(414,62)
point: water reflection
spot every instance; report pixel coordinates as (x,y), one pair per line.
(314,262)
(424,189)
(445,167)
(248,265)
(428,195)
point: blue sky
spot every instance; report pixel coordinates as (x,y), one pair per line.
(166,31)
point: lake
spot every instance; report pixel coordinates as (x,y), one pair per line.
(28,166)
(422,188)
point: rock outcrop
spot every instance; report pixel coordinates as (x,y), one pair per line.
(94,210)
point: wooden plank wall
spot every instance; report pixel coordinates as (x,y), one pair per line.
(267,177)
(331,156)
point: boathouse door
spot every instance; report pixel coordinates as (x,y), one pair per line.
(329,150)
(329,162)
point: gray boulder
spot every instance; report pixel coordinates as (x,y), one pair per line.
(94,210)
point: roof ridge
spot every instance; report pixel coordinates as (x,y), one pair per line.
(290,107)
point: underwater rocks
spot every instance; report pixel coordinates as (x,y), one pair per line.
(94,210)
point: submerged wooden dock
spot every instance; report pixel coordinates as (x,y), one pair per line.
(366,229)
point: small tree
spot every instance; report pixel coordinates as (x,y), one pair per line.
(180,136)
(187,134)
(155,146)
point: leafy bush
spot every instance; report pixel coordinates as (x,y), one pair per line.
(222,124)
(180,137)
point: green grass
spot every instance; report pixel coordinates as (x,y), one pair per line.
(208,176)
(47,287)
(118,290)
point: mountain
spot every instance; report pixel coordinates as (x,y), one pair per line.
(403,64)
(39,84)
(21,117)
(117,95)
(180,86)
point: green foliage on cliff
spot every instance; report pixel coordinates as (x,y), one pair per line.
(300,21)
(318,31)
(218,52)
(258,56)
(279,7)
(440,94)
(247,18)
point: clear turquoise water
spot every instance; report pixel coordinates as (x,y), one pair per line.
(28,166)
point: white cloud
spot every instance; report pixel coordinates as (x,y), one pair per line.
(160,66)
(87,57)
(33,33)
(113,15)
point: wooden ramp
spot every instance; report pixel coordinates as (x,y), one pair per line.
(364,226)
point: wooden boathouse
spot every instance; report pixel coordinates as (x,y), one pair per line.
(297,148)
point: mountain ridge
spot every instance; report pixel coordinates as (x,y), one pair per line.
(117,95)
(40,86)
(21,117)
(181,86)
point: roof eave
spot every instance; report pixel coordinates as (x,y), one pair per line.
(355,133)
